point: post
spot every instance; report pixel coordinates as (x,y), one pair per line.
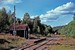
(24,33)
(14,32)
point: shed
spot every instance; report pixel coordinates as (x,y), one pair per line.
(21,30)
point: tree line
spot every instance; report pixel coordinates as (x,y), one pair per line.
(35,25)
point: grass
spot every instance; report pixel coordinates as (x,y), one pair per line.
(65,43)
(15,41)
(62,47)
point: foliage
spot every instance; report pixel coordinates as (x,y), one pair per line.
(69,30)
(18,21)
(14,41)
(4,20)
(58,27)
(7,19)
(26,18)
(36,24)
(11,19)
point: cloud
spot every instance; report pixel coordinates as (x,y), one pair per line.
(54,14)
(11,1)
(34,16)
(68,8)
(6,3)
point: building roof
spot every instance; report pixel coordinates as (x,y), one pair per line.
(19,26)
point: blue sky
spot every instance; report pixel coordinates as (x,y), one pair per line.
(51,12)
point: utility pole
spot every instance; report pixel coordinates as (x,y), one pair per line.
(14,31)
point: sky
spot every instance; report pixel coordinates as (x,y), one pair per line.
(51,12)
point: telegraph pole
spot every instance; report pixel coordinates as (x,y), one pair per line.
(14,31)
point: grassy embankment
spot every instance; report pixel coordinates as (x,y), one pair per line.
(9,41)
(65,43)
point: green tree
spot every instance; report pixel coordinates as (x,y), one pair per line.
(26,18)
(10,16)
(29,21)
(42,28)
(18,21)
(36,24)
(4,20)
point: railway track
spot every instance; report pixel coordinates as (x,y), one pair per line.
(43,45)
(40,44)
